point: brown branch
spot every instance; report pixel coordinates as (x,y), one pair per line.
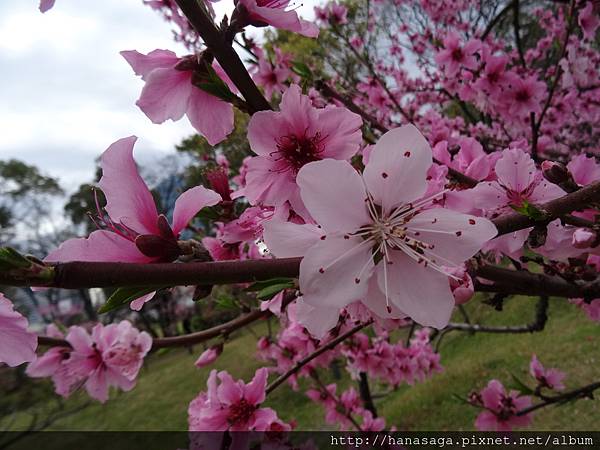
(582,392)
(188,340)
(578,200)
(325,348)
(224,53)
(496,19)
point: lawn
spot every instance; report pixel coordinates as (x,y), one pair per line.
(570,342)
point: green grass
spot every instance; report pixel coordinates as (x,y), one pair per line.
(570,342)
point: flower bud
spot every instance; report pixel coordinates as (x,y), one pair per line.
(219,183)
(555,172)
(209,356)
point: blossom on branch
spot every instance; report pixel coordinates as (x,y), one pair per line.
(131,230)
(500,408)
(381,242)
(169,92)
(548,378)
(261,13)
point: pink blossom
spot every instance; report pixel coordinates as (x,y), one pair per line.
(589,21)
(518,183)
(454,55)
(583,238)
(133,229)
(111,356)
(53,364)
(524,96)
(169,93)
(273,12)
(208,356)
(17,345)
(232,405)
(379,245)
(46,5)
(501,408)
(287,140)
(549,378)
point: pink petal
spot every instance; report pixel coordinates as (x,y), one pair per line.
(97,385)
(456,236)
(100,246)
(229,392)
(397,169)
(342,131)
(375,301)
(210,116)
(80,340)
(189,203)
(515,169)
(265,129)
(288,240)
(316,319)
(17,345)
(45,5)
(142,64)
(331,268)
(334,194)
(421,292)
(265,185)
(138,303)
(128,199)
(166,94)
(254,392)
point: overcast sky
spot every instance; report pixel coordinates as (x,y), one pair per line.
(66,93)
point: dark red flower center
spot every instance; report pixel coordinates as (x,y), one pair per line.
(299,150)
(522,96)
(457,54)
(240,412)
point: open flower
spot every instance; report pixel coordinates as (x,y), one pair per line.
(131,230)
(501,409)
(233,405)
(287,140)
(17,345)
(378,243)
(549,378)
(261,13)
(169,93)
(111,356)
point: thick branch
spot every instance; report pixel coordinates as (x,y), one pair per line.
(224,53)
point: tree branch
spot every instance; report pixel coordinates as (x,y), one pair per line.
(582,392)
(328,346)
(224,53)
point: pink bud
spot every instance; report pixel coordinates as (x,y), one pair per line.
(263,343)
(461,286)
(219,182)
(583,238)
(209,356)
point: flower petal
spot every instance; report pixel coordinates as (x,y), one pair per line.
(334,194)
(166,94)
(455,236)
(397,169)
(17,345)
(254,393)
(127,196)
(100,246)
(330,272)
(189,203)
(317,320)
(210,116)
(422,293)
(288,240)
(142,64)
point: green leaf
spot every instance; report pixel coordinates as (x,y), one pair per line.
(301,69)
(124,296)
(12,259)
(529,210)
(520,385)
(226,303)
(261,285)
(215,86)
(460,398)
(270,291)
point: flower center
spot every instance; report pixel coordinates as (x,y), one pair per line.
(240,412)
(299,150)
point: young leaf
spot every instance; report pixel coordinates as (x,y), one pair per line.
(520,385)
(270,291)
(12,259)
(301,69)
(260,285)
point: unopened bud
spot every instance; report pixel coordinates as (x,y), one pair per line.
(583,238)
(219,183)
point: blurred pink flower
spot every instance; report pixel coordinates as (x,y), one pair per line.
(501,408)
(550,378)
(17,345)
(273,12)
